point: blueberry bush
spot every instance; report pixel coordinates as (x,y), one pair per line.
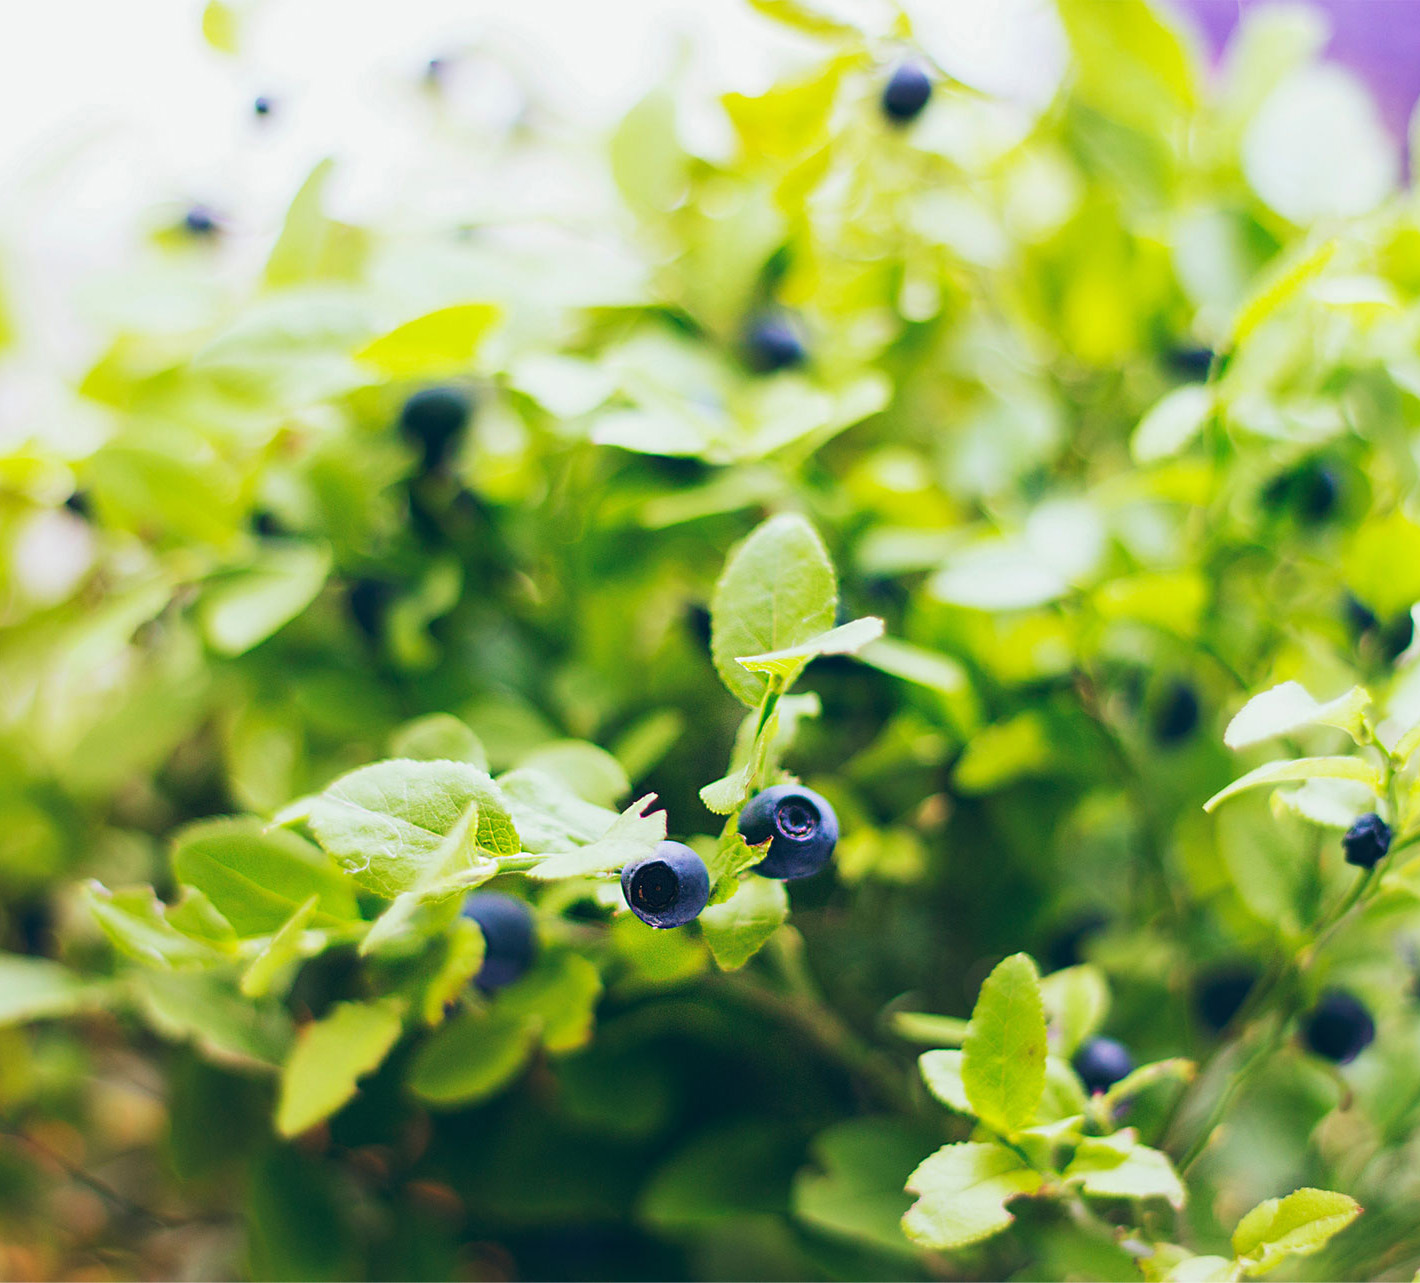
(842,707)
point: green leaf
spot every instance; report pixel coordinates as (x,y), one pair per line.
(1076,1002)
(737,929)
(243,609)
(286,947)
(1302,768)
(927,668)
(789,662)
(439,737)
(205,1008)
(434,345)
(257,877)
(1002,753)
(330,1058)
(399,825)
(219,26)
(778,589)
(471,1058)
(558,998)
(1172,423)
(1003,1058)
(1175,1069)
(963,1191)
(312,246)
(412,920)
(632,834)
(808,18)
(138,924)
(1278,286)
(1298,1225)
(590,772)
(941,1071)
(999,574)
(857,1190)
(1289,707)
(464,948)
(647,162)
(1203,1269)
(731,857)
(550,817)
(1118,1166)
(37,989)
(936,1031)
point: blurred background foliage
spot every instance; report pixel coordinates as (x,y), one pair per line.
(1102,385)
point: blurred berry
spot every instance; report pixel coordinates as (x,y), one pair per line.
(1220,993)
(906,92)
(1366,841)
(368,600)
(509,937)
(773,344)
(263,106)
(80,504)
(1339,1027)
(1176,714)
(1102,1062)
(200,221)
(1191,363)
(432,419)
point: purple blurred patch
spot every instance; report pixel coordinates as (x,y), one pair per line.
(1377,39)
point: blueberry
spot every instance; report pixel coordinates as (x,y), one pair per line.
(80,504)
(1101,1063)
(267,524)
(1176,716)
(1311,491)
(263,106)
(773,344)
(1391,638)
(799,826)
(1360,618)
(667,888)
(1339,1027)
(1191,363)
(368,600)
(1366,841)
(906,92)
(200,221)
(509,940)
(432,418)
(697,621)
(1220,993)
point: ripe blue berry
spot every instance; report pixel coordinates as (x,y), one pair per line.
(1339,1027)
(369,601)
(200,221)
(906,92)
(667,888)
(773,344)
(431,419)
(1191,363)
(1101,1063)
(509,940)
(263,105)
(1176,717)
(799,826)
(1366,841)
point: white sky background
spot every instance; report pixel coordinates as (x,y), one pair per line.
(118,115)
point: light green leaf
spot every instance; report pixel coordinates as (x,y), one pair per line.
(330,1058)
(1006,751)
(412,919)
(1003,1063)
(257,878)
(1279,285)
(246,608)
(778,589)
(38,989)
(550,817)
(434,345)
(731,857)
(1172,423)
(205,1008)
(566,386)
(941,1071)
(1076,1002)
(399,825)
(286,946)
(558,998)
(632,834)
(1175,1068)
(928,668)
(647,162)
(137,923)
(590,772)
(857,1190)
(312,246)
(789,662)
(1118,1166)
(999,574)
(1203,1269)
(1290,707)
(808,18)
(936,1031)
(219,26)
(439,737)
(1302,768)
(729,792)
(464,949)
(737,929)
(471,1058)
(1298,1225)
(963,1191)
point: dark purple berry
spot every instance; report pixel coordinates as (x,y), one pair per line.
(1366,841)
(799,825)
